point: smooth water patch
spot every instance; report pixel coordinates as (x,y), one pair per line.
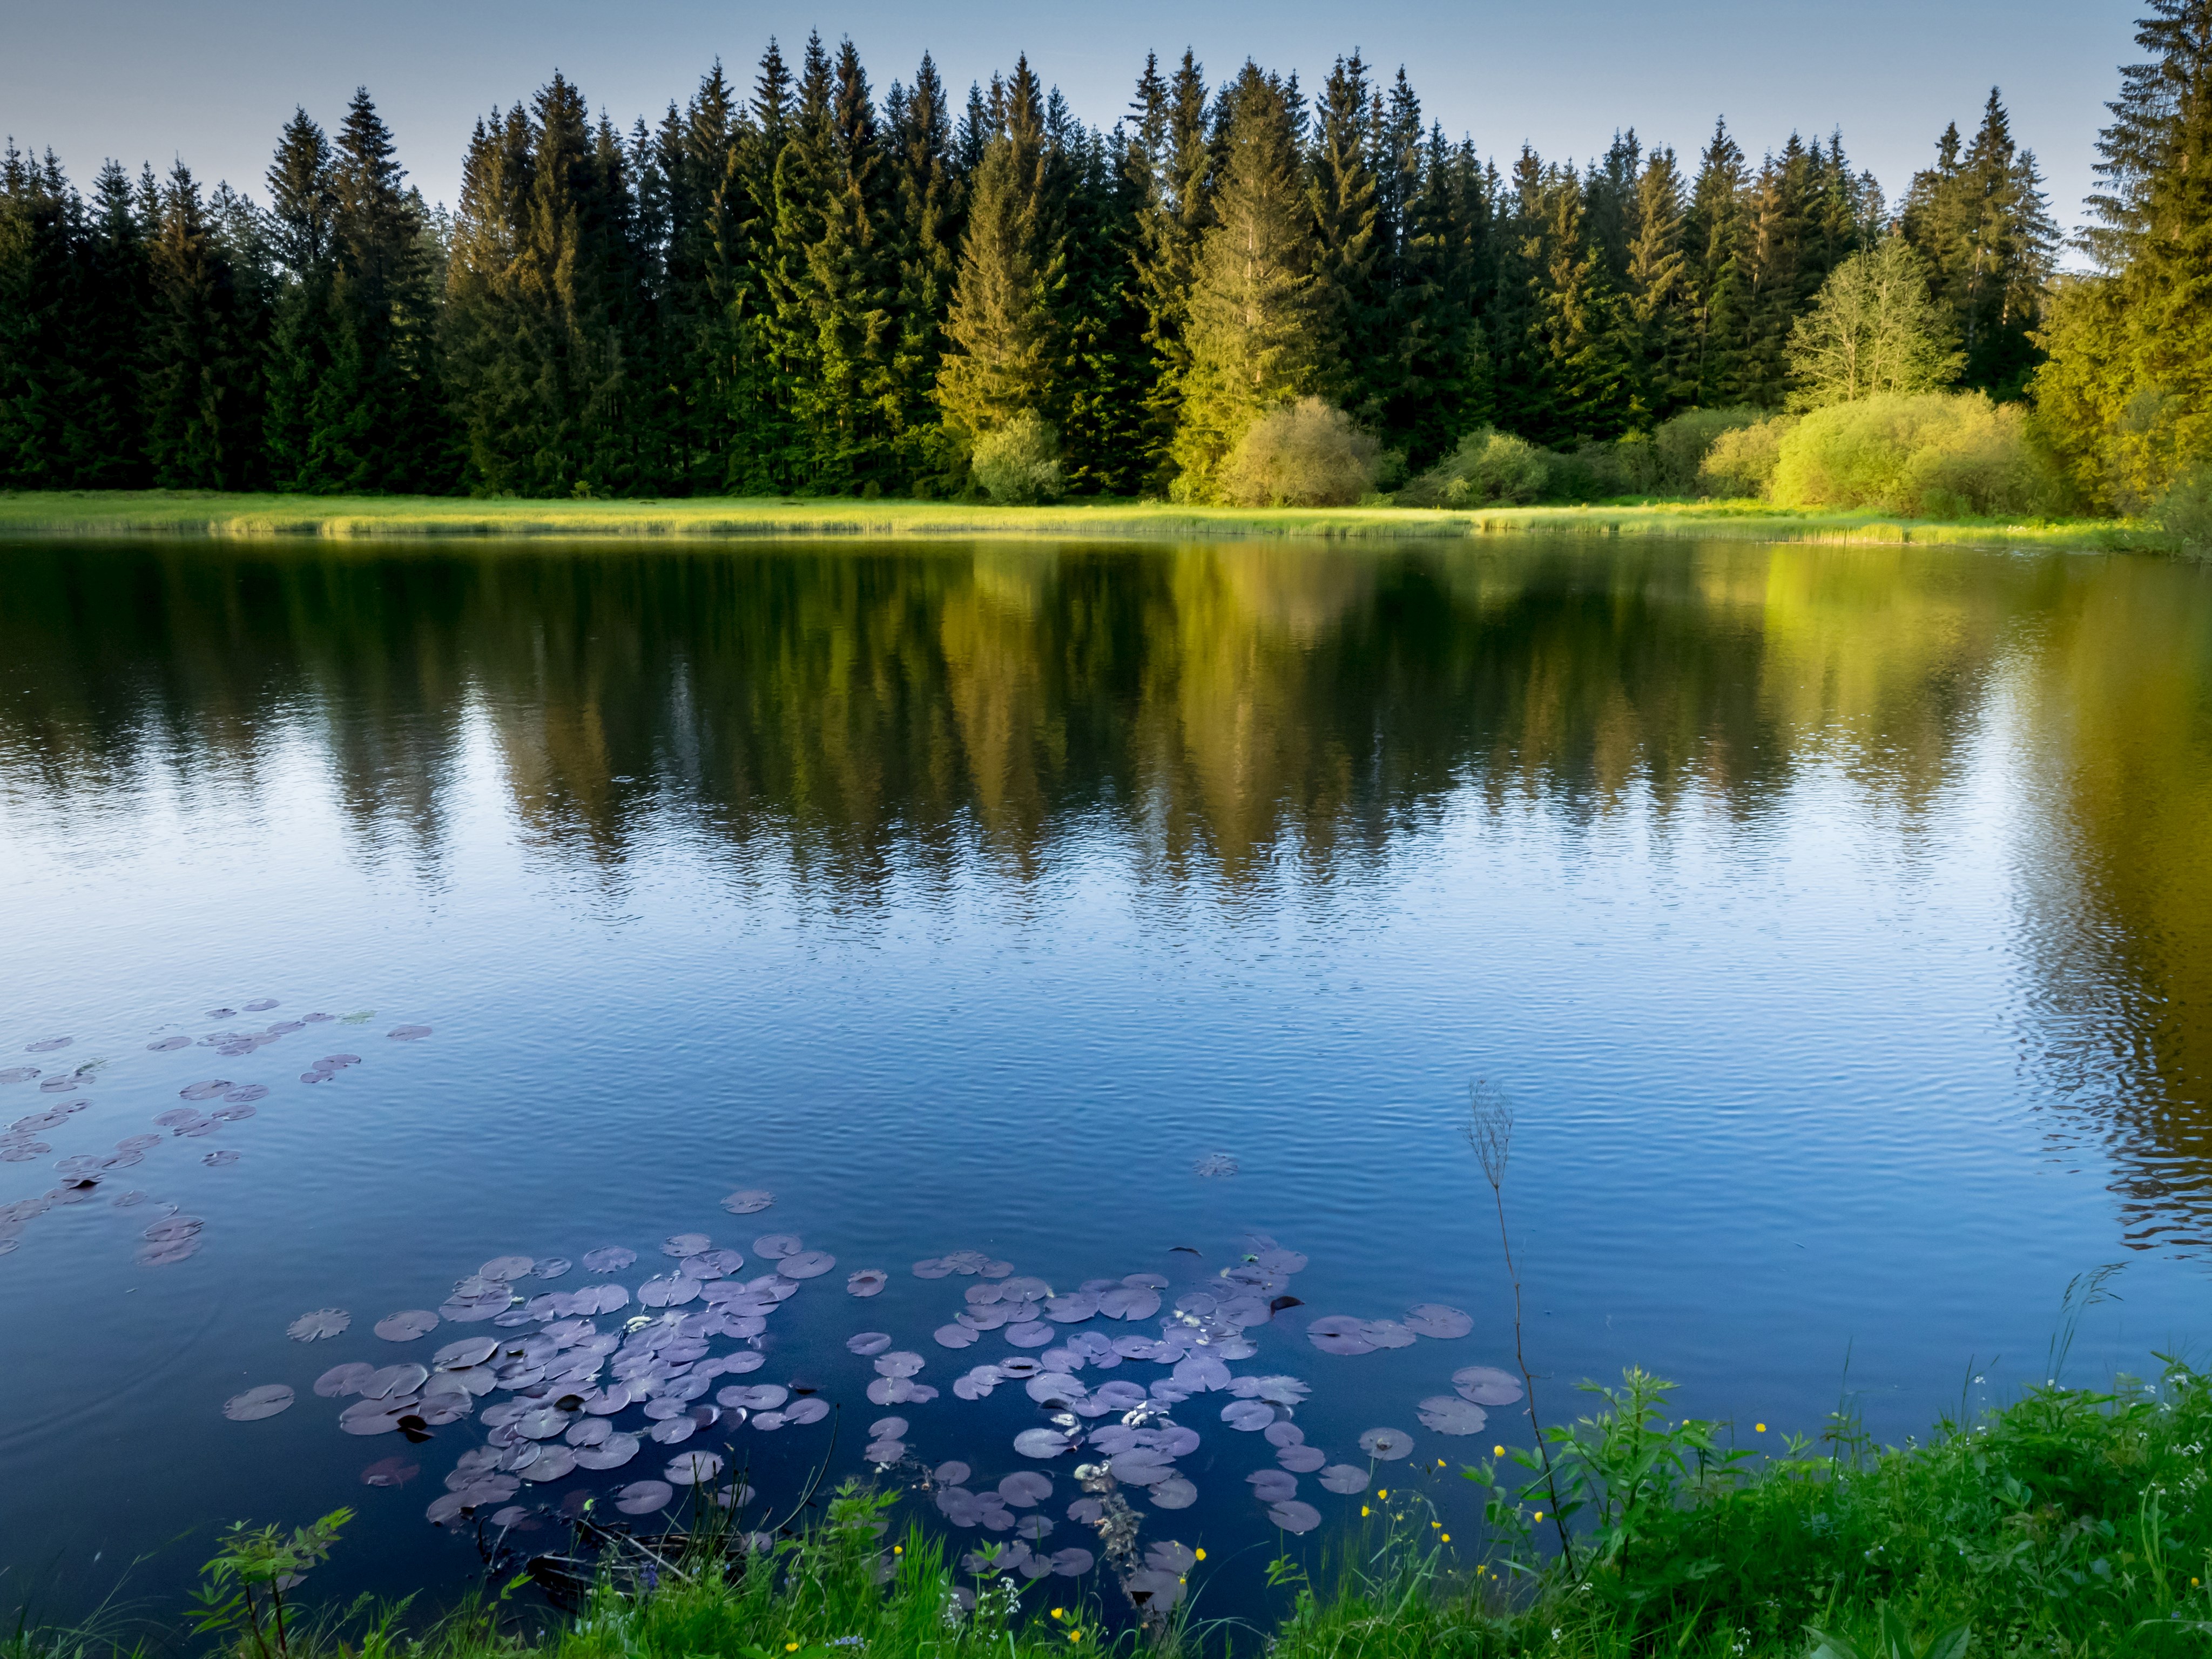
(1060,942)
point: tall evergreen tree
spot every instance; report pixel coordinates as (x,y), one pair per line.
(1258,331)
(302,205)
(1657,284)
(926,210)
(200,368)
(40,229)
(376,412)
(1173,158)
(1013,267)
(1353,270)
(1980,221)
(1717,233)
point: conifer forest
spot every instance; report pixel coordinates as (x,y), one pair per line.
(814,284)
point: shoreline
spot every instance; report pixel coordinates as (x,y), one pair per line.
(214,516)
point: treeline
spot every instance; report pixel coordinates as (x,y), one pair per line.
(808,289)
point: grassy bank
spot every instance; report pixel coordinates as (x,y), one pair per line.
(2070,1523)
(196,513)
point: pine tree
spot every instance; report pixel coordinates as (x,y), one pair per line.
(1012,266)
(1657,282)
(1257,328)
(302,203)
(114,278)
(1102,375)
(1171,159)
(1980,221)
(1715,234)
(1351,272)
(199,368)
(40,229)
(1439,371)
(927,201)
(376,411)
(2131,375)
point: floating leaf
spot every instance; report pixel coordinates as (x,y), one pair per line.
(255,1404)
(692,1468)
(869,1281)
(1300,1458)
(868,1343)
(806,1264)
(390,1472)
(1248,1415)
(1294,1516)
(342,1380)
(407,1326)
(645,1496)
(748,1201)
(1173,1494)
(611,1453)
(322,1322)
(408,1033)
(773,1247)
(1486,1385)
(1433,1319)
(1042,1442)
(611,1258)
(1336,1334)
(1449,1413)
(1387,1445)
(1344,1478)
(1272,1486)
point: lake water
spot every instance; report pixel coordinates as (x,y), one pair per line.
(1839,921)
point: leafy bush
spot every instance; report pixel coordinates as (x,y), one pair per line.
(1019,462)
(1680,445)
(1938,453)
(1489,466)
(2184,511)
(1306,454)
(1741,461)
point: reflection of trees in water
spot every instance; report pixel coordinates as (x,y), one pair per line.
(845,712)
(2115,730)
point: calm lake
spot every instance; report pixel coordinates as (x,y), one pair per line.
(1838,920)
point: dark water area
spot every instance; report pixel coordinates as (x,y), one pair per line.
(1839,921)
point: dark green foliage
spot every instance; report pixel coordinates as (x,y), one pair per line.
(810,290)
(1980,221)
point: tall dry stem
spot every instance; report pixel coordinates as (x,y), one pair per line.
(1490,1132)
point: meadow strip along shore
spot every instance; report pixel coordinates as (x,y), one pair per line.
(246,517)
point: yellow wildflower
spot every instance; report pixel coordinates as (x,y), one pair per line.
(1199,1553)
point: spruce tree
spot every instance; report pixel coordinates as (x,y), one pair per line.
(39,232)
(1438,370)
(113,278)
(1658,289)
(1979,219)
(199,368)
(1716,231)
(927,207)
(1171,159)
(1257,331)
(302,203)
(1013,265)
(1351,272)
(376,412)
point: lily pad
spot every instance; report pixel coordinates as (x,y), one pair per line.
(1387,1445)
(255,1404)
(1486,1385)
(1434,1319)
(1449,1414)
(407,1326)
(645,1497)
(869,1281)
(322,1322)
(748,1201)
(1294,1516)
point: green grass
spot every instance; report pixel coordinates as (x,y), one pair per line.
(2071,1523)
(209,513)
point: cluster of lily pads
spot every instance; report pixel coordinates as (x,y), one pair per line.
(566,1378)
(212,1102)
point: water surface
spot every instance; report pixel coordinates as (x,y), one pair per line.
(1840,920)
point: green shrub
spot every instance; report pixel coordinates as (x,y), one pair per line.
(2184,511)
(1741,460)
(1019,462)
(1932,453)
(1306,454)
(1680,445)
(1488,467)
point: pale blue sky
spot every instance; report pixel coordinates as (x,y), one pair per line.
(212,82)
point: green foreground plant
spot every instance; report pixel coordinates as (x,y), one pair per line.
(2071,1523)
